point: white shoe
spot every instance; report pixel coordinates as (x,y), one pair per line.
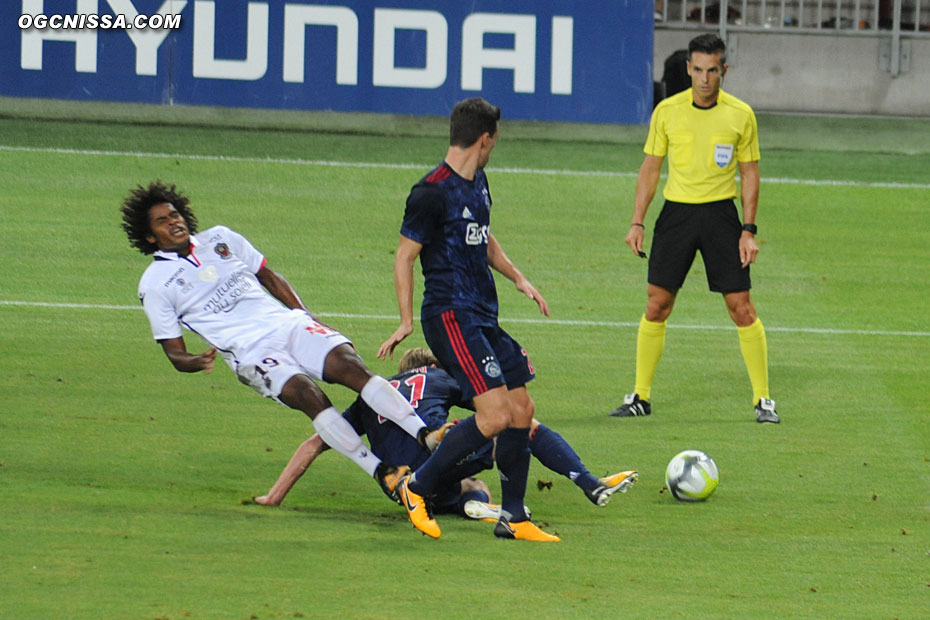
(482,511)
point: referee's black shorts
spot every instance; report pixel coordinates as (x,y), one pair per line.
(682,229)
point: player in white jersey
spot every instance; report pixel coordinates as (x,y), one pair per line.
(212,283)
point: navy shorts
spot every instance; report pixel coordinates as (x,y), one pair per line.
(682,230)
(477,352)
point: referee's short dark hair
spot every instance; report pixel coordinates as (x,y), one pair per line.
(708,44)
(471,119)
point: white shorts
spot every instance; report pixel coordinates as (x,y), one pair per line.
(299,346)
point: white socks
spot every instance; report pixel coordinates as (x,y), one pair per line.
(385,401)
(340,436)
(388,402)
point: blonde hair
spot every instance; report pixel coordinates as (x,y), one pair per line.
(416,358)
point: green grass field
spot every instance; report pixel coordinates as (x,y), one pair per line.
(125,484)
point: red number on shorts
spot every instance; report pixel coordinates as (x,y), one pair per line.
(316,328)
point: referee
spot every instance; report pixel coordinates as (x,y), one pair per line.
(706,133)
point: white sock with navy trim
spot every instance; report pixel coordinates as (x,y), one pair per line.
(388,402)
(340,436)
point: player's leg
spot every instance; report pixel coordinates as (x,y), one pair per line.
(461,440)
(726,275)
(459,342)
(512,453)
(468,497)
(650,339)
(301,393)
(674,246)
(492,415)
(463,494)
(650,344)
(344,366)
(553,451)
(474,502)
(284,367)
(754,348)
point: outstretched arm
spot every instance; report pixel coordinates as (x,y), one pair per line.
(183,361)
(407,252)
(498,259)
(299,463)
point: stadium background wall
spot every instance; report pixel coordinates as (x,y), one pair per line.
(547,60)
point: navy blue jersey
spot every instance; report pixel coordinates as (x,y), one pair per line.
(451,217)
(431,392)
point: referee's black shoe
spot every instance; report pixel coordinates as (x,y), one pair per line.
(633,406)
(765,412)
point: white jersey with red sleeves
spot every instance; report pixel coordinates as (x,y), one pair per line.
(213,291)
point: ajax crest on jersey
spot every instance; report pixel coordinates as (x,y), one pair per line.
(691,476)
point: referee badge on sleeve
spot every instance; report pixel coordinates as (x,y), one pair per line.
(723,154)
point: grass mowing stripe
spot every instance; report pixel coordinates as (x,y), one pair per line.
(560,322)
(414,166)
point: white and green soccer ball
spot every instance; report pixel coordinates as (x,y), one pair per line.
(691,476)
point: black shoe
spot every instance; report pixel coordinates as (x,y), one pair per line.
(388,476)
(621,482)
(633,406)
(765,412)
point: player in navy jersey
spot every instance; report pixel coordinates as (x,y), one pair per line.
(447,225)
(432,393)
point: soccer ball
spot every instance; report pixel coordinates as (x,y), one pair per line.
(691,476)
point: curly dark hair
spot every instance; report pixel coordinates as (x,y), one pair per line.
(135,210)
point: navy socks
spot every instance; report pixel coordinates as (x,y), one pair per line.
(513,463)
(460,441)
(554,452)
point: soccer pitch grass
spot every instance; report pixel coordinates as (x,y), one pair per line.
(125,484)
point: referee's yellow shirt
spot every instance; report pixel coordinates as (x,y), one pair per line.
(703,146)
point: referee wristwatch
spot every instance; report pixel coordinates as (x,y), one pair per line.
(751,228)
